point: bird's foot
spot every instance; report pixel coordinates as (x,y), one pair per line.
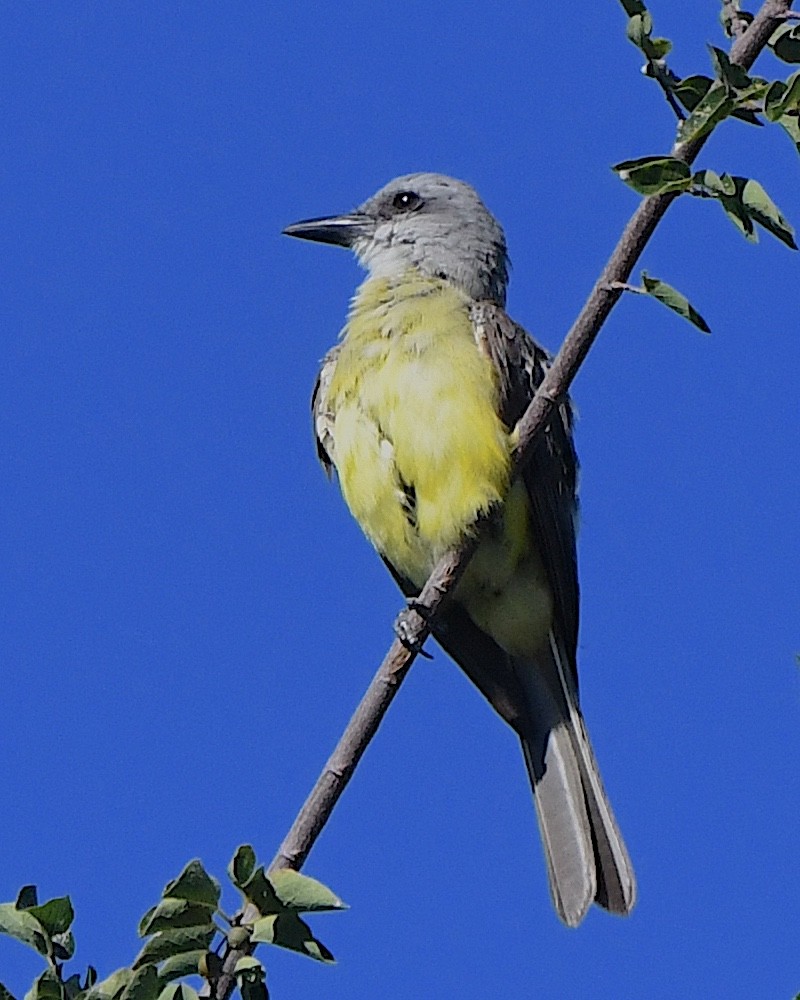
(405,627)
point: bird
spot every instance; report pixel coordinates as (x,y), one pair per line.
(415,409)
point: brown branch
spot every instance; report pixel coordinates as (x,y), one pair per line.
(384,686)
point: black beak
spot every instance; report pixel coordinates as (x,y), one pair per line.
(340,230)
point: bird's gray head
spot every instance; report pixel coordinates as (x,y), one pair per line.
(430,222)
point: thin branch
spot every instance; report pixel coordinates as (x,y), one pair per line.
(673,102)
(666,79)
(623,286)
(609,287)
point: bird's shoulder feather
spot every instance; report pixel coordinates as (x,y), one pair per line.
(321,414)
(551,473)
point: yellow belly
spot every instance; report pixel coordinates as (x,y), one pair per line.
(420,450)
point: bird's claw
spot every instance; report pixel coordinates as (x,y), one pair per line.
(404,628)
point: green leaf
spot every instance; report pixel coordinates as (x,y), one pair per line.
(20,924)
(709,111)
(176,941)
(63,946)
(694,88)
(659,48)
(764,211)
(143,985)
(785,43)
(746,203)
(746,115)
(773,102)
(258,889)
(178,991)
(739,216)
(185,964)
(655,174)
(759,85)
(264,929)
(195,884)
(713,183)
(691,90)
(27,897)
(303,894)
(172,912)
(638,31)
(672,299)
(729,73)
(639,28)
(141,930)
(111,987)
(791,124)
(287,930)
(6,994)
(56,915)
(72,987)
(791,99)
(242,864)
(750,100)
(48,986)
(783,98)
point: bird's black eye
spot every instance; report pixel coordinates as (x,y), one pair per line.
(406,201)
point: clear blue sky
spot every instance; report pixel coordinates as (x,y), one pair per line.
(188,613)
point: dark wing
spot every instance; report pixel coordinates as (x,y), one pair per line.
(551,474)
(321,414)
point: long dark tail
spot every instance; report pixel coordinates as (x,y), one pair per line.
(587,860)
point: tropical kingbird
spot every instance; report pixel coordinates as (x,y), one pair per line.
(415,408)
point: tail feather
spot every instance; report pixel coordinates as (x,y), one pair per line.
(564,824)
(616,882)
(586,857)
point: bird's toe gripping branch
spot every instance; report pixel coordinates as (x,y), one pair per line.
(405,628)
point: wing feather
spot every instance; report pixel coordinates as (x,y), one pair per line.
(551,474)
(321,414)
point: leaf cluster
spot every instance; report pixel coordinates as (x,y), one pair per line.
(280,897)
(733,93)
(186,935)
(743,199)
(46,929)
(702,102)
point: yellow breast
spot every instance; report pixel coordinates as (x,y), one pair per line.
(419,448)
